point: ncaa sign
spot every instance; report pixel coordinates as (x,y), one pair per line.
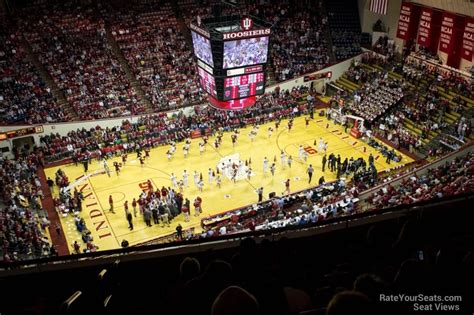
(246,24)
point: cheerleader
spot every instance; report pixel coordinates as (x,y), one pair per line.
(185,178)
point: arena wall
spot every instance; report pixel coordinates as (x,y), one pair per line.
(464,7)
(63,128)
(390,20)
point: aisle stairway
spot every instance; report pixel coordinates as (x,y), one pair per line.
(344,83)
(46,77)
(128,72)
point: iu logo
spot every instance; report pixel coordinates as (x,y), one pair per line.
(246,23)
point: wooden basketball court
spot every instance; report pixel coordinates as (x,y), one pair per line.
(108,229)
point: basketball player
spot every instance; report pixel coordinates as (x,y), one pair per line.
(234,174)
(197,206)
(117,168)
(283,159)
(290,124)
(306,120)
(174,180)
(202,145)
(134,206)
(142,161)
(185,211)
(289,161)
(210,173)
(277,124)
(186,150)
(301,152)
(185,178)
(106,168)
(124,158)
(249,173)
(305,156)
(272,169)
(321,144)
(219,181)
(111,203)
(265,165)
(234,140)
(287,186)
(196,178)
(270,132)
(252,135)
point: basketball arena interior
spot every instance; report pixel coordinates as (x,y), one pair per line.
(238,157)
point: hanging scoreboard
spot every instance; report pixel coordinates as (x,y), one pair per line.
(231,56)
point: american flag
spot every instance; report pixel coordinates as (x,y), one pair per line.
(379,6)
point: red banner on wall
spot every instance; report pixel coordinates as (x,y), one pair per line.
(446,40)
(468,39)
(424,28)
(407,21)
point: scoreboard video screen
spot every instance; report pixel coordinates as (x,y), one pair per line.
(231,57)
(202,48)
(244,86)
(208,83)
(245,52)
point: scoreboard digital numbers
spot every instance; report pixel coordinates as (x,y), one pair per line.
(207,81)
(243,86)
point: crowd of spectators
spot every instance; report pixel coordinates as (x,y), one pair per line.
(71,43)
(376,97)
(298,36)
(454,178)
(160,129)
(22,218)
(327,200)
(415,70)
(391,128)
(385,46)
(152,41)
(377,94)
(338,198)
(298,43)
(423,106)
(349,271)
(24,96)
(345,29)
